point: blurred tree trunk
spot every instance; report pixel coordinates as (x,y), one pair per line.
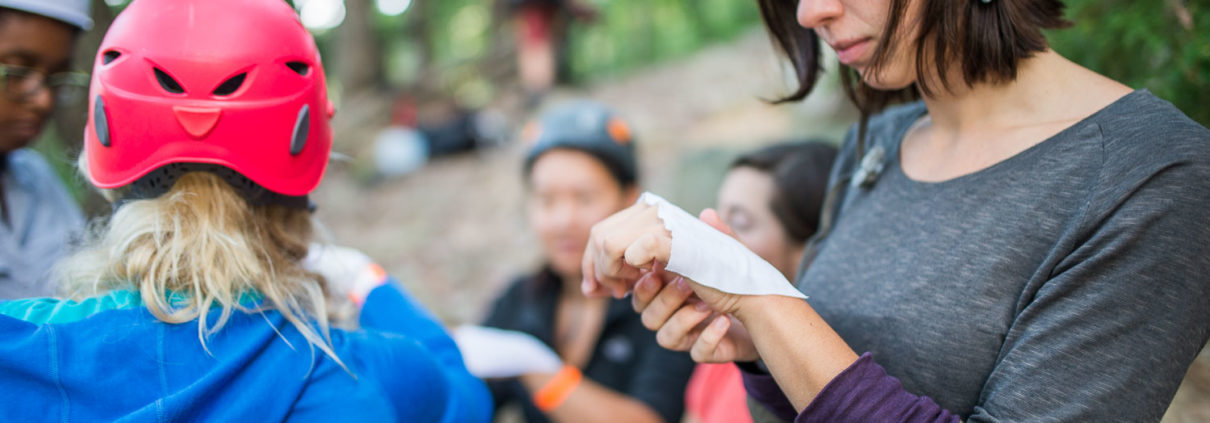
(420,30)
(365,100)
(499,65)
(359,62)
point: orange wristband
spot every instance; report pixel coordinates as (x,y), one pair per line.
(558,388)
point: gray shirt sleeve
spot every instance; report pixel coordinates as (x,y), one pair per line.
(1111,334)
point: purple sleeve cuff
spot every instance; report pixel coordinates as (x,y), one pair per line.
(863,392)
(764,390)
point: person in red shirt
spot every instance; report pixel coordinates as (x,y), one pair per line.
(540,28)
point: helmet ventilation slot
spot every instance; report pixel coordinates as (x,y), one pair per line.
(167,83)
(300,68)
(231,85)
(110,56)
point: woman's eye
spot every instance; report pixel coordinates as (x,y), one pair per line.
(739,223)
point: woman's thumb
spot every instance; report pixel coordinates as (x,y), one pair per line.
(711,217)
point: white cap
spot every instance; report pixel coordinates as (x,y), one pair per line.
(73,12)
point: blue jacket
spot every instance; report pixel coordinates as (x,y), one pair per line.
(109,359)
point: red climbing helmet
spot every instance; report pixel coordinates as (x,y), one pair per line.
(234,83)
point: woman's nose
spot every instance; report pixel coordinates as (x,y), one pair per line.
(817,13)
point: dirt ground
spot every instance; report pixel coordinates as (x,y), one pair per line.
(454,233)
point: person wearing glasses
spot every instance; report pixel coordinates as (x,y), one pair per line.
(38,218)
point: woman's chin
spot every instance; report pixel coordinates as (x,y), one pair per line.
(886,82)
(566,268)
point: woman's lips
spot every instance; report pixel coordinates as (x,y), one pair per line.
(569,247)
(851,51)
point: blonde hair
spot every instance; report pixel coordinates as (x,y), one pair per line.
(201,247)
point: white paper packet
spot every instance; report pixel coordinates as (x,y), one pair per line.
(714,259)
(498,353)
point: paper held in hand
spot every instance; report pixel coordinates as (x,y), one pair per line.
(714,259)
(498,353)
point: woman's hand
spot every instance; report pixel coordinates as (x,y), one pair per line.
(684,322)
(348,272)
(621,247)
(691,317)
(797,345)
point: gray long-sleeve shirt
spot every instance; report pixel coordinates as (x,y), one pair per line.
(1070,282)
(43,221)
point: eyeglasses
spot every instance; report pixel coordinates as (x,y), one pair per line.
(19,84)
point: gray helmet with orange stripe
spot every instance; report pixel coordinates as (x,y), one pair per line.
(72,12)
(585,126)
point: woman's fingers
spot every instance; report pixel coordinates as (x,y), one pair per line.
(709,345)
(645,290)
(616,275)
(719,301)
(589,286)
(652,246)
(682,321)
(604,270)
(670,299)
(681,330)
(648,286)
(621,247)
(711,217)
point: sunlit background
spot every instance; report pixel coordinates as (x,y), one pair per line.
(692,75)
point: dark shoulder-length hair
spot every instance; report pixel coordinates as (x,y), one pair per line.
(800,172)
(985,41)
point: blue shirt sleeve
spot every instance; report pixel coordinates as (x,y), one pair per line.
(389,308)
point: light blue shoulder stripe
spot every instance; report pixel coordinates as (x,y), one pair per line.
(57,311)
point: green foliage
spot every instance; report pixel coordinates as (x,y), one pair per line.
(1161,45)
(626,35)
(633,33)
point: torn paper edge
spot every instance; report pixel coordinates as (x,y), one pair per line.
(720,262)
